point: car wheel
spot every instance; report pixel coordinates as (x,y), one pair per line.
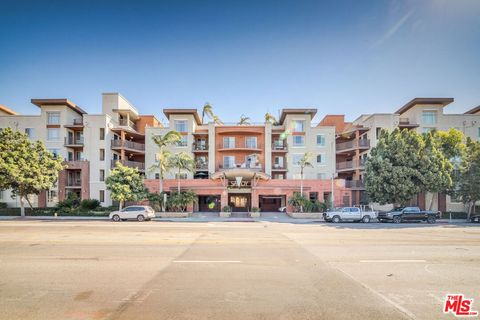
(116,218)
(140,218)
(336,219)
(431,219)
(366,219)
(397,219)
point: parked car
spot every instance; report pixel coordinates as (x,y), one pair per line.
(139,213)
(475,218)
(400,214)
(349,214)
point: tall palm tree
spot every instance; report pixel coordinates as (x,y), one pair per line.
(244,120)
(304,162)
(183,162)
(162,166)
(269,118)
(171,137)
(217,120)
(207,111)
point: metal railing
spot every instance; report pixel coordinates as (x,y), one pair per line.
(78,121)
(279,146)
(201,166)
(73,141)
(240,166)
(131,164)
(74,183)
(350,165)
(354,184)
(354,144)
(199,147)
(127,123)
(128,145)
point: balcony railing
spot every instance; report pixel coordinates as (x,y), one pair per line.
(73,141)
(405,122)
(350,165)
(279,166)
(74,183)
(201,166)
(199,147)
(127,123)
(131,164)
(279,146)
(354,144)
(354,184)
(240,166)
(128,145)
(78,121)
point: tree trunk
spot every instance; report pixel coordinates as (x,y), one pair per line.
(301,188)
(22,207)
(28,200)
(120,205)
(470,206)
(178,180)
(160,188)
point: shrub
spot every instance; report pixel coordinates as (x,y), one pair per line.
(178,202)
(89,204)
(70,203)
(3,205)
(156,200)
(300,203)
(226,209)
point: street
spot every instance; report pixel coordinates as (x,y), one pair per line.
(234,270)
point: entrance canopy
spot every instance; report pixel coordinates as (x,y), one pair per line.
(244,173)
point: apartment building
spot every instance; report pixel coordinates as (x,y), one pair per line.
(247,166)
(354,140)
(90,144)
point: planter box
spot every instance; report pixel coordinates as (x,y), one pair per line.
(254,214)
(173,214)
(306,215)
(225,214)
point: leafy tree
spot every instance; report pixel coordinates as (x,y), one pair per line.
(179,201)
(244,120)
(469,176)
(451,142)
(269,118)
(125,184)
(183,162)
(163,157)
(207,111)
(26,167)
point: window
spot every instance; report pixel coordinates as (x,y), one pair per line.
(53,117)
(102,133)
(181,125)
(102,154)
(251,142)
(55,152)
(321,158)
(313,196)
(29,132)
(298,125)
(79,156)
(181,175)
(70,156)
(478,133)
(228,162)
(322,176)
(378,132)
(2,194)
(183,141)
(102,175)
(296,159)
(52,196)
(53,134)
(157,176)
(429,117)
(102,195)
(229,142)
(298,141)
(321,140)
(278,162)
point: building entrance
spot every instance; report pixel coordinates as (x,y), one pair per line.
(239,202)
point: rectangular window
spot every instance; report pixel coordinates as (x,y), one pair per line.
(181,126)
(55,152)
(378,132)
(228,142)
(321,158)
(296,159)
(157,176)
(53,117)
(322,176)
(102,133)
(102,196)
(429,117)
(478,133)
(313,196)
(30,133)
(52,196)
(251,142)
(102,154)
(228,162)
(183,141)
(53,134)
(70,156)
(298,141)
(278,162)
(321,140)
(298,125)
(102,175)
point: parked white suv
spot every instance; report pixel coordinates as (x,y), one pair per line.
(139,213)
(349,214)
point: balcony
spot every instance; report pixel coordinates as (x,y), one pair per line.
(77,124)
(350,165)
(405,123)
(127,123)
(363,144)
(72,182)
(354,184)
(128,145)
(199,147)
(279,167)
(201,166)
(244,166)
(131,164)
(73,143)
(279,147)
(238,147)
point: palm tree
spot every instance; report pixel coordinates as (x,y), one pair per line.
(269,118)
(217,120)
(183,162)
(304,162)
(171,137)
(207,111)
(244,120)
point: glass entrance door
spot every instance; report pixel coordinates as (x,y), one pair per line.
(239,202)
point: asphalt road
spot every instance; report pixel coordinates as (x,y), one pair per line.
(228,270)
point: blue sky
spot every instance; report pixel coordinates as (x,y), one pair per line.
(247,57)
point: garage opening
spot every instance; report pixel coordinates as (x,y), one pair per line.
(210,203)
(271,203)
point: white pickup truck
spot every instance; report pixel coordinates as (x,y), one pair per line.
(350,214)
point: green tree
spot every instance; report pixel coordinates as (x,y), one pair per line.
(269,118)
(125,184)
(163,156)
(207,111)
(468,188)
(217,120)
(182,162)
(451,143)
(244,120)
(304,162)
(26,167)
(179,201)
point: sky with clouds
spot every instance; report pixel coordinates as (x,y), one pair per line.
(248,57)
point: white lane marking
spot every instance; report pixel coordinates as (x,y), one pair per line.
(382,261)
(207,261)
